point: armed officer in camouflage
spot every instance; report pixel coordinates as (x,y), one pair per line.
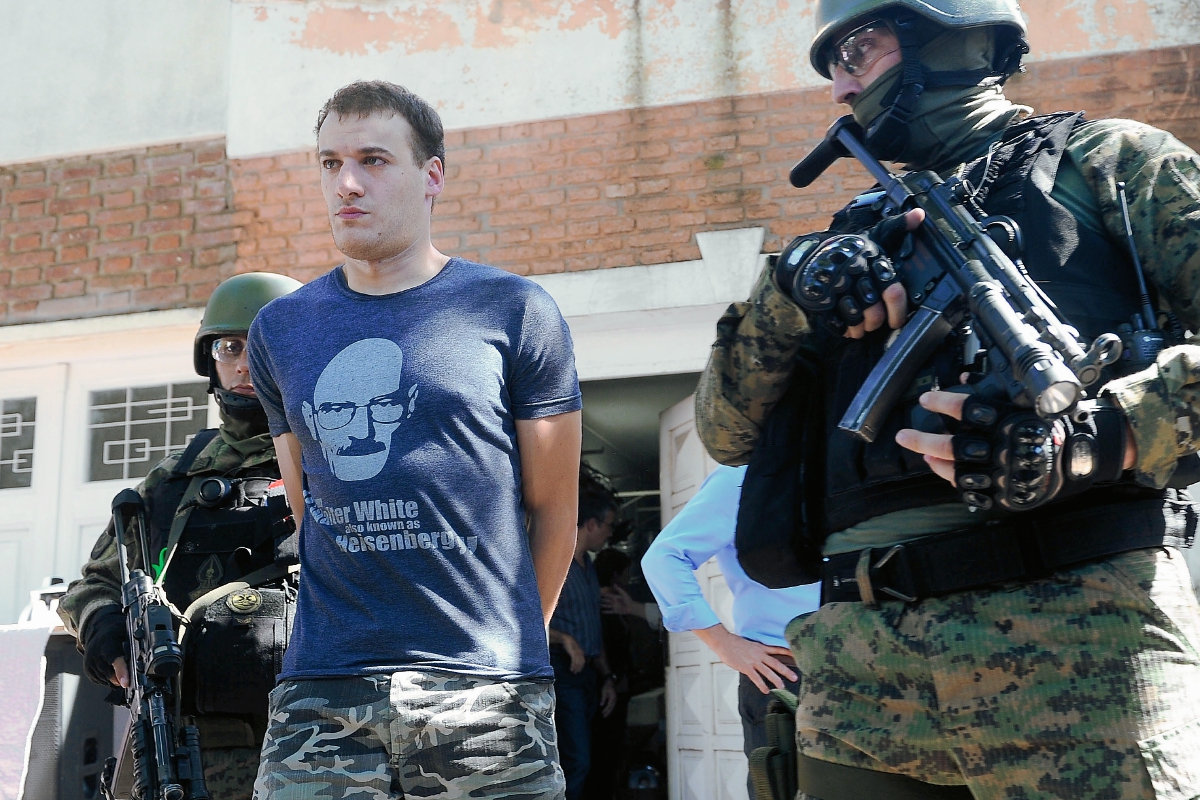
(225,546)
(965,649)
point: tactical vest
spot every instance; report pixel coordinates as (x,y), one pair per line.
(234,641)
(220,543)
(1089,278)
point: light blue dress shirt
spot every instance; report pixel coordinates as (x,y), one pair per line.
(703,529)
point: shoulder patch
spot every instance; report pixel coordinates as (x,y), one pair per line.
(102,546)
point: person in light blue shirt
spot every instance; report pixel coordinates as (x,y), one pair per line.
(755,647)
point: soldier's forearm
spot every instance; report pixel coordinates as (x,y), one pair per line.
(287,450)
(1162,404)
(749,370)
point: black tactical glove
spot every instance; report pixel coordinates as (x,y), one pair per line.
(1010,457)
(835,277)
(104,639)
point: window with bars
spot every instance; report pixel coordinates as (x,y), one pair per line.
(18,416)
(133,429)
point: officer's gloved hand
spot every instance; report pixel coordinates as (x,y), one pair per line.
(105,639)
(1010,457)
(836,277)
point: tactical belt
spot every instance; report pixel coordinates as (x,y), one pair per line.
(1017,550)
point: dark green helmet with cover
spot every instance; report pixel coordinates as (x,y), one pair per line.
(232,307)
(835,16)
(229,312)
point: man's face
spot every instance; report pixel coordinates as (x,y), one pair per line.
(379,199)
(600,531)
(233,375)
(876,45)
(357,406)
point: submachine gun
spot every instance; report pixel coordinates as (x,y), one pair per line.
(163,765)
(958,267)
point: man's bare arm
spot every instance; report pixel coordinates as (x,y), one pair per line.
(287,450)
(549,449)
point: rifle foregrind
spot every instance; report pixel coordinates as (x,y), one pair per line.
(1033,356)
(165,767)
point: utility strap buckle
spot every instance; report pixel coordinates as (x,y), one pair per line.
(865,574)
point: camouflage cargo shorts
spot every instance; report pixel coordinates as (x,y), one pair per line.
(410,734)
(1082,685)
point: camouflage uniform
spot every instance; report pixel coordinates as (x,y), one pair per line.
(757,341)
(231,745)
(1000,689)
(410,734)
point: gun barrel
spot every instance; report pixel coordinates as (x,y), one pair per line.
(160,730)
(1050,385)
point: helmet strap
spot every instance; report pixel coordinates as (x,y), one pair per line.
(888,134)
(1008,58)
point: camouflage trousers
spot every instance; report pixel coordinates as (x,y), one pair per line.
(410,734)
(1082,685)
(229,771)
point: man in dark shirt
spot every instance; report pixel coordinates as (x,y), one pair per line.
(583,681)
(425,410)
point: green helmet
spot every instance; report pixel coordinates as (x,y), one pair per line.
(833,16)
(232,307)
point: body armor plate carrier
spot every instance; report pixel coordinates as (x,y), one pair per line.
(818,479)
(232,568)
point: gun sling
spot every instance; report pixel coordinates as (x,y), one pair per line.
(1015,550)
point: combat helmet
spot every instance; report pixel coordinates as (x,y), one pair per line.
(915,23)
(230,310)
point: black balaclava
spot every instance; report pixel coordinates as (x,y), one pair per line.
(241,416)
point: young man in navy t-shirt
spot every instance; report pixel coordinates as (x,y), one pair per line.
(423,408)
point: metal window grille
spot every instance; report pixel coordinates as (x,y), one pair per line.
(133,429)
(18,417)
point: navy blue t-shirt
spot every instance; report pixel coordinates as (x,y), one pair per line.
(413,546)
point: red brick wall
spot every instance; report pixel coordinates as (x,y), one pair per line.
(142,229)
(159,227)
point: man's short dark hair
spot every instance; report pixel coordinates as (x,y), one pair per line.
(595,499)
(364,98)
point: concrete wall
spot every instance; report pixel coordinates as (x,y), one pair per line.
(493,62)
(88,75)
(91,75)
(159,227)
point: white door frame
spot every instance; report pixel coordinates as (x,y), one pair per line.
(705,758)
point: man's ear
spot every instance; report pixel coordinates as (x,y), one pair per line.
(435,177)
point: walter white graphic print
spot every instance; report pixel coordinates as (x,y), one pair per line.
(412,536)
(358,404)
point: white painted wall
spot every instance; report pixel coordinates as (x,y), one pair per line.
(489,62)
(92,75)
(84,76)
(49,528)
(656,320)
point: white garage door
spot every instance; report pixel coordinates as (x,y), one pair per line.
(704,731)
